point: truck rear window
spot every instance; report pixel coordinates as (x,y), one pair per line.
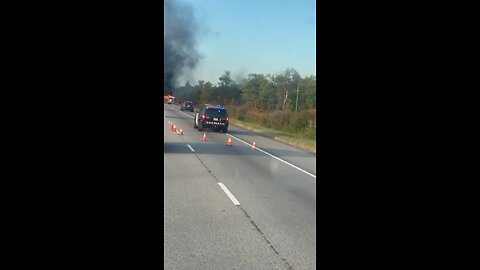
(216,113)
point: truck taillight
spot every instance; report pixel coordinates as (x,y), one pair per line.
(227,119)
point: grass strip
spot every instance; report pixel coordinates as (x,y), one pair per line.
(295,140)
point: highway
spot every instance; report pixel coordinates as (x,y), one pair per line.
(234,207)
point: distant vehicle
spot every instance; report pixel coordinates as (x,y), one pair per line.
(211,117)
(171,100)
(167,96)
(187,105)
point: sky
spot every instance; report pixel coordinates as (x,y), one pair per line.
(253,36)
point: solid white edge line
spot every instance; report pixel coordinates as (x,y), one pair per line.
(265,152)
(229,194)
(190,148)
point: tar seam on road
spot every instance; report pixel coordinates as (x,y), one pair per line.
(265,238)
(245,212)
(265,152)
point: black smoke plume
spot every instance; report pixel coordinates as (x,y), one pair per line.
(180,36)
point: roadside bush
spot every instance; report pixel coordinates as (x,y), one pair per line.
(232,111)
(310,133)
(302,123)
(254,117)
(278,120)
(242,111)
(298,121)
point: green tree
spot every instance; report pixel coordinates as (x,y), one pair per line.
(227,90)
(251,89)
(207,95)
(226,80)
(308,95)
(280,83)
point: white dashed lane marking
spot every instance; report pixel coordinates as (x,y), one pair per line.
(190,148)
(229,194)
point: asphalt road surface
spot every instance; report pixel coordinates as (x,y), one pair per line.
(234,207)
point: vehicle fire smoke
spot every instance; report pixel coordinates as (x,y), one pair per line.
(180,40)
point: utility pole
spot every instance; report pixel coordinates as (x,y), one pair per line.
(296,103)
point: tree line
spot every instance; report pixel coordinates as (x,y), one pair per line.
(265,93)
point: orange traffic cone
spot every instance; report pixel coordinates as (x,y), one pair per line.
(174,128)
(171,128)
(181,132)
(253,145)
(204,138)
(229,142)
